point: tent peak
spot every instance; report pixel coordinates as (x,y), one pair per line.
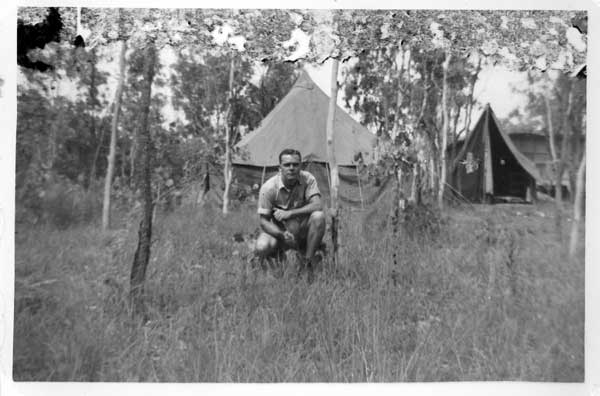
(304,81)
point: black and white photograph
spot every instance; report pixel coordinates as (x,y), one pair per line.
(299,195)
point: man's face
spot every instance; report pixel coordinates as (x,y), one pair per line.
(290,167)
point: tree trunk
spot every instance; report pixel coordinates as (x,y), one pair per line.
(414,183)
(445,127)
(204,185)
(333,169)
(572,176)
(142,252)
(408,84)
(132,155)
(415,195)
(431,172)
(469,107)
(227,171)
(556,168)
(112,152)
(550,127)
(577,151)
(566,135)
(98,142)
(386,123)
(454,139)
(52,141)
(123,161)
(48,162)
(400,94)
(577,207)
(399,202)
(92,102)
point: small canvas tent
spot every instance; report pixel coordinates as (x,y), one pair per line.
(489,167)
(299,122)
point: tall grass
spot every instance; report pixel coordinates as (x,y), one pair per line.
(486,294)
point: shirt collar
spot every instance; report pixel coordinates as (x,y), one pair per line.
(280,184)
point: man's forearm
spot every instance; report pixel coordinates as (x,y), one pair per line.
(271,228)
(307,209)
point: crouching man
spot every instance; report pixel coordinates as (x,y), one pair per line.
(290,210)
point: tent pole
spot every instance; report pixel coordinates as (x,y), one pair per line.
(488,181)
(362,204)
(262,178)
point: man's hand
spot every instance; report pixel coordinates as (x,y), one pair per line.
(281,215)
(289,238)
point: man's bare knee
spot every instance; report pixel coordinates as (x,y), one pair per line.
(265,245)
(317,218)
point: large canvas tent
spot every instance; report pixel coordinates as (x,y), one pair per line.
(489,167)
(299,122)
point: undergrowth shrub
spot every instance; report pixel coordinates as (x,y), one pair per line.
(61,202)
(422,221)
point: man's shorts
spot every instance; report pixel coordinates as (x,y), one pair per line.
(298,226)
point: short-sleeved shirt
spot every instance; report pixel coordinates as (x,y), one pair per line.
(274,195)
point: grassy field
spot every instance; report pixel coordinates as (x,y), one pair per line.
(484,293)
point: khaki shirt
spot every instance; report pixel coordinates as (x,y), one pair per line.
(274,195)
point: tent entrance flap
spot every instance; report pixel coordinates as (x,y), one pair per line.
(511,179)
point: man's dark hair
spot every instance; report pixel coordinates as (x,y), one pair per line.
(289,151)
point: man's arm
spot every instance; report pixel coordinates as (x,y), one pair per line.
(270,228)
(313,205)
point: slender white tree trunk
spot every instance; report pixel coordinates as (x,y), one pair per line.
(453,135)
(113,140)
(413,183)
(227,171)
(550,129)
(445,127)
(565,130)
(556,169)
(431,171)
(132,156)
(415,195)
(333,169)
(577,207)
(469,108)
